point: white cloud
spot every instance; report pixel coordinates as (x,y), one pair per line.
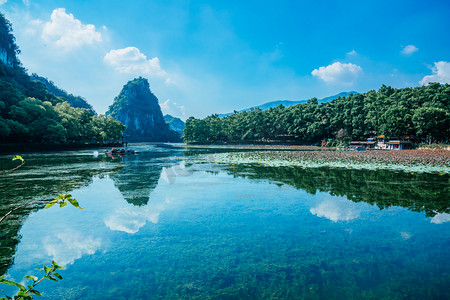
(410,49)
(353,53)
(68,33)
(170,174)
(337,210)
(405,235)
(338,73)
(131,219)
(169,81)
(34,27)
(441,73)
(172,108)
(441,218)
(3,2)
(66,247)
(130,60)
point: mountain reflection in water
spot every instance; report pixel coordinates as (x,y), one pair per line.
(195,229)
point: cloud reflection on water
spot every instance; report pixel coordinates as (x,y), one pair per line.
(337,210)
(130,219)
(68,246)
(440,218)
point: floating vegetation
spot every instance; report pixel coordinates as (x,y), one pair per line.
(421,161)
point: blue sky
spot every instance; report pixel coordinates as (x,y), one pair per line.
(204,57)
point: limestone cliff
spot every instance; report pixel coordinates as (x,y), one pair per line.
(138,109)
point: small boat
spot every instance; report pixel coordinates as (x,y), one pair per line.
(121,151)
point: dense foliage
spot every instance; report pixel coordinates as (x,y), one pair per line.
(138,108)
(75,101)
(415,191)
(31,113)
(423,112)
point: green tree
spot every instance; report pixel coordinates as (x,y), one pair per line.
(432,123)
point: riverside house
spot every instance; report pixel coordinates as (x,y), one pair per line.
(381,142)
(399,145)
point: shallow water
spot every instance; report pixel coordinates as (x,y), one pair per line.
(168,224)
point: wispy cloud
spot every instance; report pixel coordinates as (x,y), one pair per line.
(338,73)
(409,50)
(405,235)
(352,53)
(3,2)
(172,108)
(441,73)
(68,33)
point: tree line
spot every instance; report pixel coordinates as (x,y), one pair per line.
(421,112)
(414,191)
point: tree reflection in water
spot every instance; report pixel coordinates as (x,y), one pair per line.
(429,193)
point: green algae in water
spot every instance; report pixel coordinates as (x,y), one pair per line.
(268,159)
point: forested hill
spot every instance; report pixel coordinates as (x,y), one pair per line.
(421,112)
(138,108)
(75,101)
(30,113)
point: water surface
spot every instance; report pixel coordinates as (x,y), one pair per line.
(168,224)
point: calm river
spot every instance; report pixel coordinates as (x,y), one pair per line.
(169,224)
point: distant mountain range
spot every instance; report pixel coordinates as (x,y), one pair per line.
(287,103)
(176,124)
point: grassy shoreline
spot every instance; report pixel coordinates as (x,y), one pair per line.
(30,147)
(423,161)
(256,147)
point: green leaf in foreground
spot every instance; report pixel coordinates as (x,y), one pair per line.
(36,293)
(18,157)
(34,278)
(62,200)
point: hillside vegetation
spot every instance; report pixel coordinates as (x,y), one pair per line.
(31,112)
(420,112)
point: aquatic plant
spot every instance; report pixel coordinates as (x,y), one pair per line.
(25,292)
(49,272)
(426,161)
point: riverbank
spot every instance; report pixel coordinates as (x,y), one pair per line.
(26,147)
(427,161)
(256,147)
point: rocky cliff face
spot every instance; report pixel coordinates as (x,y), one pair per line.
(138,109)
(8,47)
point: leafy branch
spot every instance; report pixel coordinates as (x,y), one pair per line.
(17,157)
(61,199)
(25,292)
